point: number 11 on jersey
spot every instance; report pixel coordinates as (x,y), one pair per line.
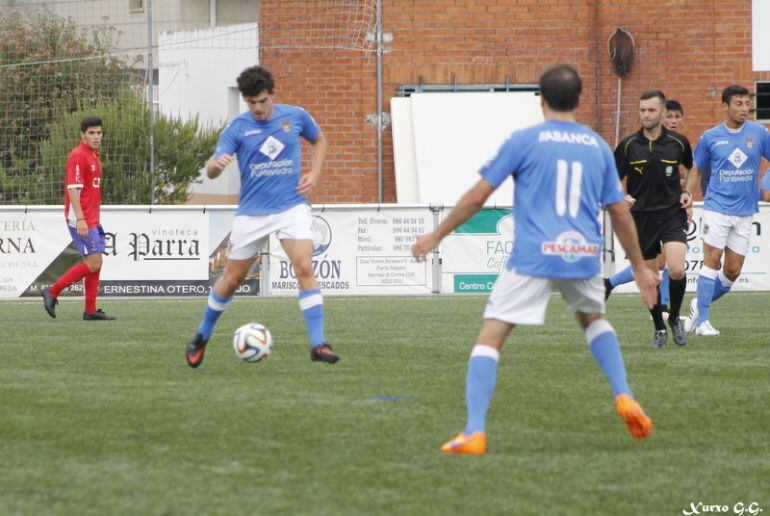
(563,200)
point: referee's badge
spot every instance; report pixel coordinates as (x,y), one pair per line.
(286,125)
(669,171)
(749,142)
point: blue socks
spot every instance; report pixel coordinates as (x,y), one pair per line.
(216,305)
(480,385)
(604,346)
(627,276)
(707,279)
(482,372)
(622,277)
(721,286)
(664,289)
(311,303)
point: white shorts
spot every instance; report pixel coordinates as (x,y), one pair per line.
(720,231)
(521,299)
(246,238)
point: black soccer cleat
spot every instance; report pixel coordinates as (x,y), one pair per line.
(49,302)
(607,289)
(680,335)
(98,315)
(324,353)
(659,342)
(195,350)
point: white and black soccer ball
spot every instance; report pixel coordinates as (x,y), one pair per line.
(252,342)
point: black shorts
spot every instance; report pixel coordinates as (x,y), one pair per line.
(659,227)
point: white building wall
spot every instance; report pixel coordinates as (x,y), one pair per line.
(197,72)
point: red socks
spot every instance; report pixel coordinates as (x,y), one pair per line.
(92,289)
(75,274)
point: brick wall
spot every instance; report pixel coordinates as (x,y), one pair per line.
(690,49)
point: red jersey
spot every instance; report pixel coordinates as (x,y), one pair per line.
(84,171)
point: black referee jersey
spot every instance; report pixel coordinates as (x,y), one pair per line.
(652,168)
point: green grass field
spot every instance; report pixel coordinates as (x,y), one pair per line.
(107,418)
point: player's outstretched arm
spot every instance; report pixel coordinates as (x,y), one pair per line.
(217,164)
(470,203)
(624,227)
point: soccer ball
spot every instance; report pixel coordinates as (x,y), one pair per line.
(252,342)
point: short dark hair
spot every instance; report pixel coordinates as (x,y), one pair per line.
(560,86)
(254,80)
(651,94)
(674,105)
(734,90)
(90,121)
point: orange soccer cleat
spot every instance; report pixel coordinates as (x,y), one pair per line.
(474,444)
(637,422)
(195,350)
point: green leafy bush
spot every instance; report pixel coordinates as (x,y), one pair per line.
(181,150)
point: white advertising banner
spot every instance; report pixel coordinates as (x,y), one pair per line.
(360,252)
(475,253)
(756,269)
(30,241)
(156,245)
(163,251)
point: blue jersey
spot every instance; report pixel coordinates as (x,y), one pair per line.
(733,158)
(269,157)
(563,173)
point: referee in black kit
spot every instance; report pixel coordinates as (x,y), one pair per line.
(648,163)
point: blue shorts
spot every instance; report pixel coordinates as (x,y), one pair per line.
(92,243)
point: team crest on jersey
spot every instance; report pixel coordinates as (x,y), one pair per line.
(705,228)
(286,125)
(749,142)
(669,171)
(571,246)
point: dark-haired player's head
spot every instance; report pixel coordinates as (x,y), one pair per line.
(91,131)
(736,102)
(674,117)
(652,106)
(560,88)
(256,85)
(90,121)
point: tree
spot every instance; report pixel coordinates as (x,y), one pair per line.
(182,148)
(47,67)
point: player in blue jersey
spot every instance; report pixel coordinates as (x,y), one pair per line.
(732,152)
(564,173)
(273,199)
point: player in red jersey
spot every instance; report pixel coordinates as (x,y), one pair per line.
(82,202)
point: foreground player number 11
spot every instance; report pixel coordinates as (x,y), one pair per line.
(573,201)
